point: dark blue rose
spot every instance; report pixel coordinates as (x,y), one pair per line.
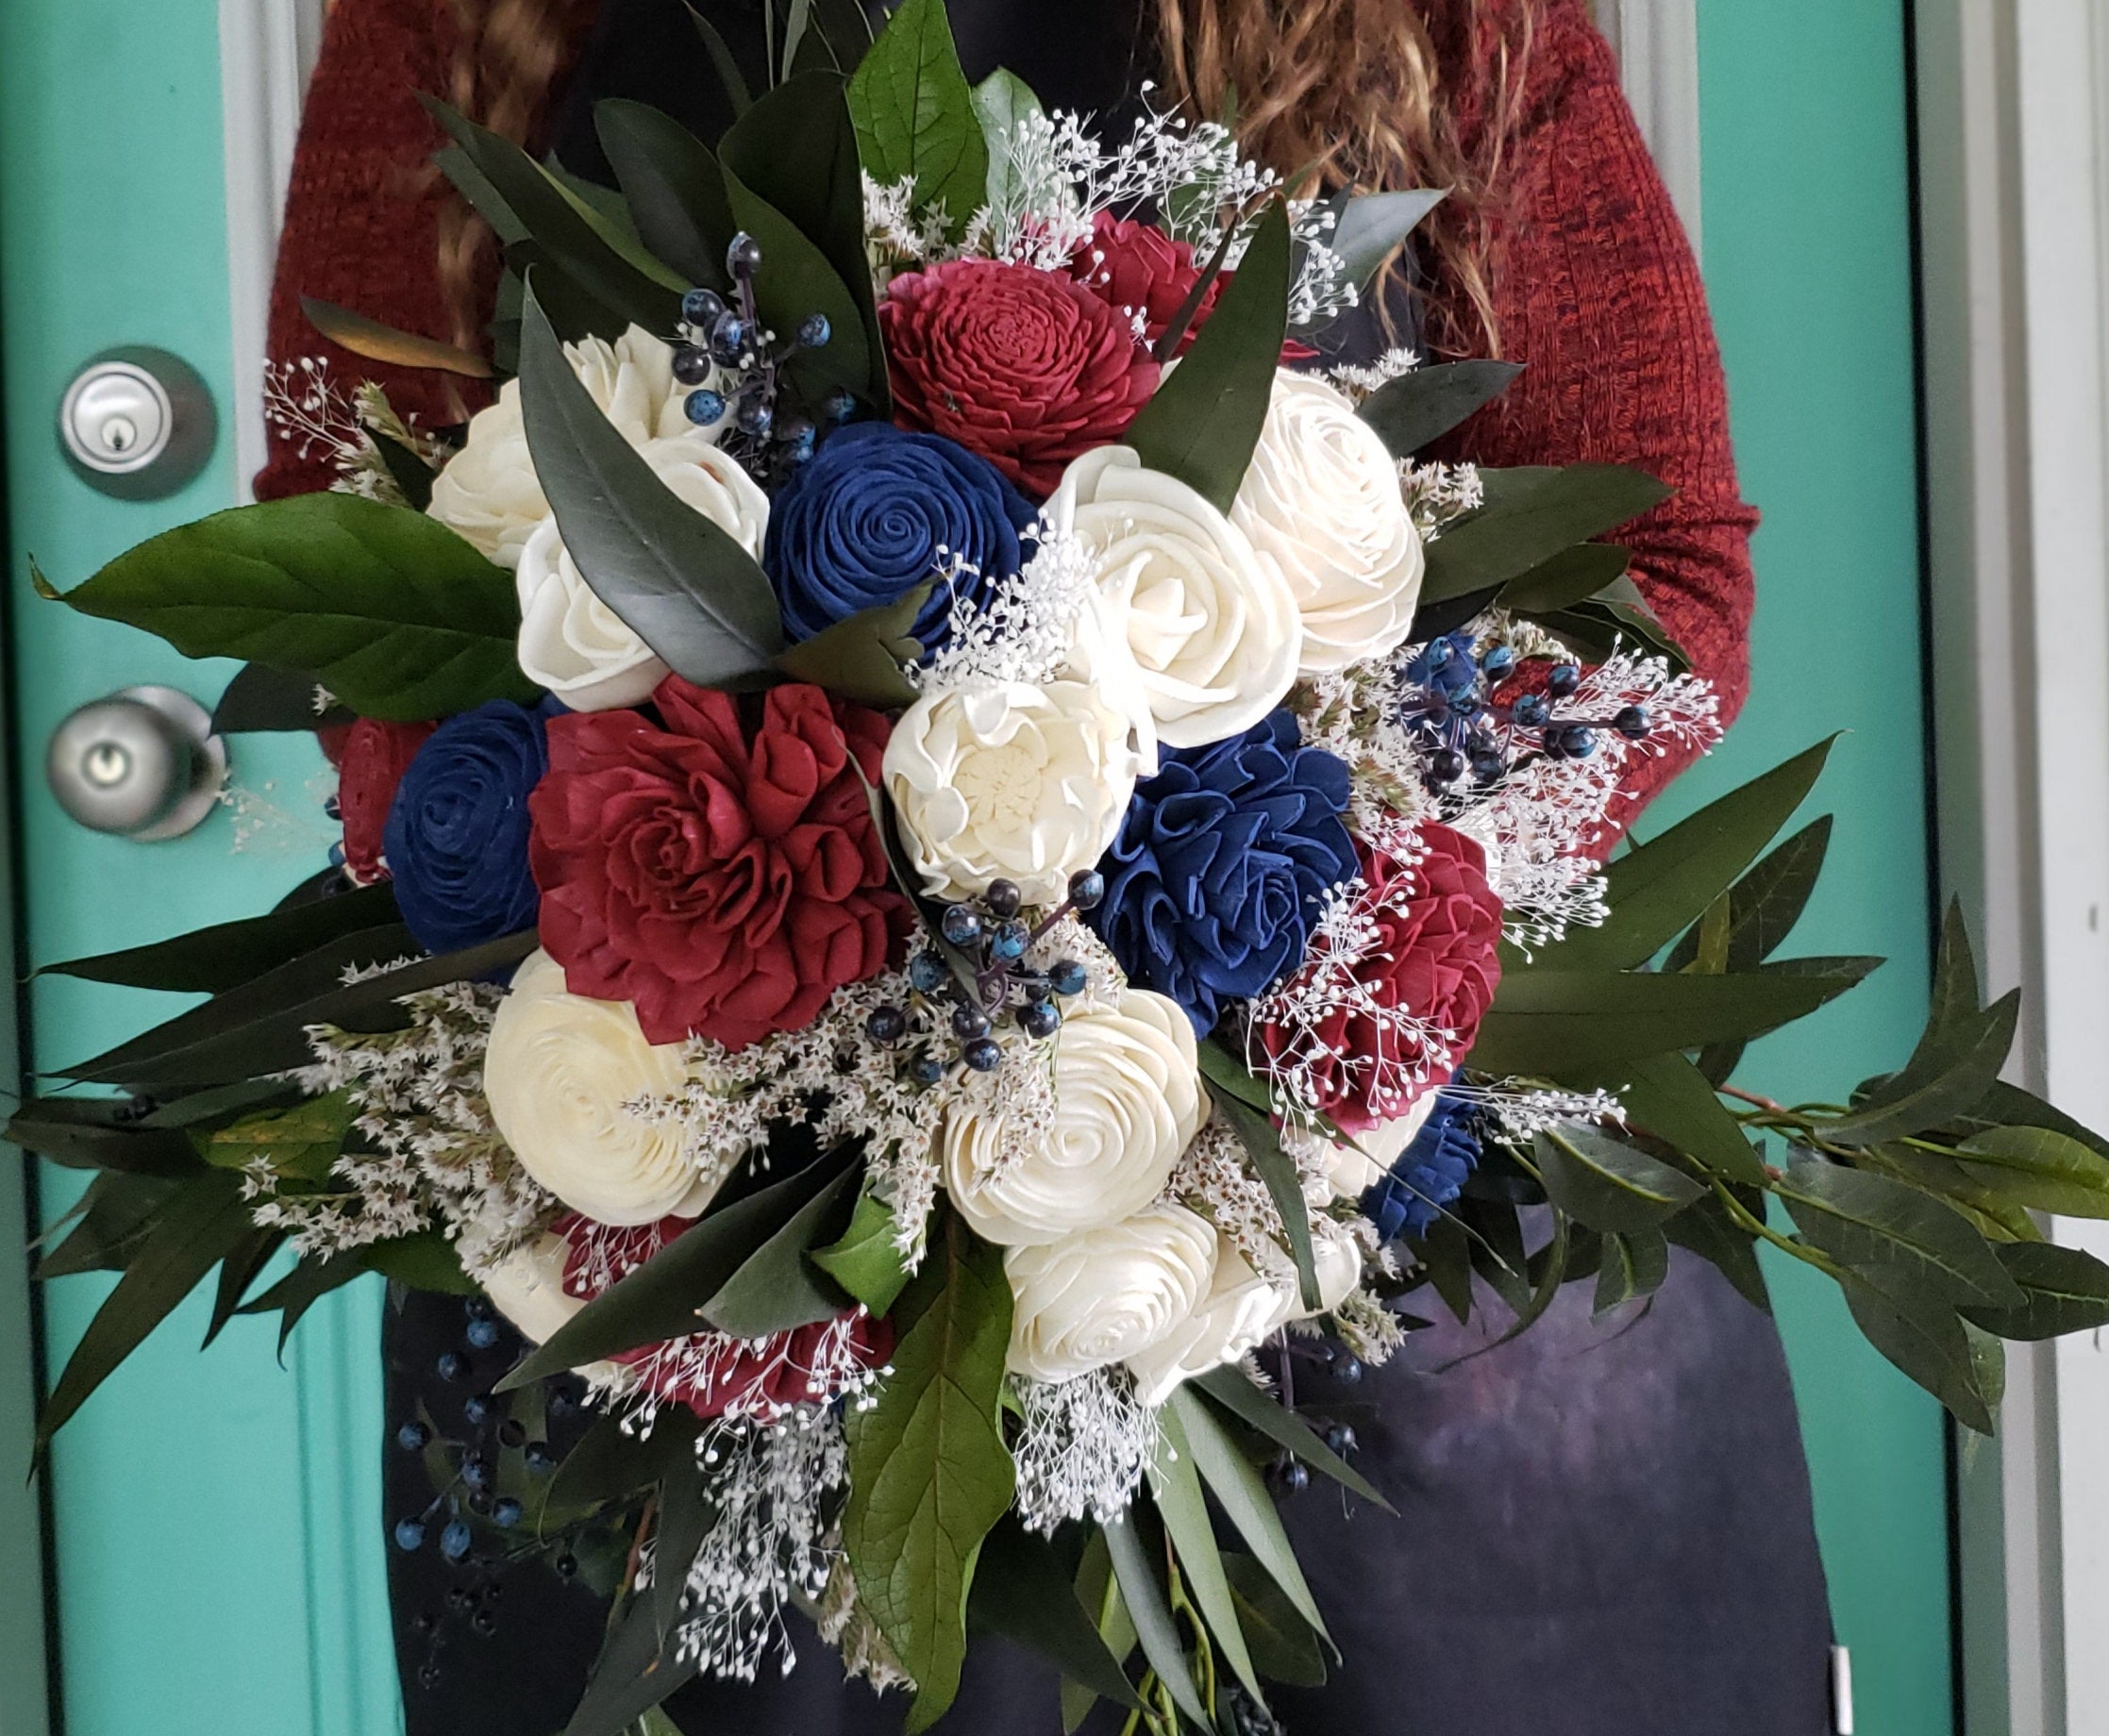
(1429,1173)
(457,836)
(1220,866)
(880,512)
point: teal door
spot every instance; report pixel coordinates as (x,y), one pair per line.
(216,1519)
(1808,256)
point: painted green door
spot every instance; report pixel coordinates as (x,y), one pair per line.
(216,1517)
(1808,255)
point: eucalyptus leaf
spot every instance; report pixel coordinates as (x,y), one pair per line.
(1222,1068)
(1002,103)
(723,60)
(866,1261)
(1875,1225)
(88,1133)
(210,960)
(1764,904)
(1633,1266)
(1022,1593)
(1284,1648)
(1416,410)
(389,610)
(2065,1290)
(117,1213)
(1672,1099)
(863,656)
(1920,1333)
(1133,1541)
(2040,1169)
(239,1269)
(384,343)
(1571,577)
(916,115)
(675,578)
(1370,228)
(1706,1229)
(1278,1170)
(1607,1184)
(1229,1388)
(637,1669)
(426,1261)
(1177,1487)
(1529,516)
(260,699)
(1943,1079)
(776,1289)
(674,187)
(292,1295)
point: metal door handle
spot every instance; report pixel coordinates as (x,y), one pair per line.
(137,423)
(142,763)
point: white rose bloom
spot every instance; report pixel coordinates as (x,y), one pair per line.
(559,1070)
(527,1288)
(488,491)
(1351,1171)
(1337,1259)
(1322,497)
(571,642)
(1238,1313)
(1128,1097)
(1009,781)
(1103,1295)
(1213,627)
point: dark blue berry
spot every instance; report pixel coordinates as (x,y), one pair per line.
(960,924)
(926,1069)
(1291,1475)
(969,1021)
(1445,766)
(1633,723)
(706,408)
(476,1473)
(1498,663)
(1068,977)
(842,405)
(477,1409)
(507,1513)
(485,1622)
(1577,742)
(692,365)
(984,1055)
(1488,766)
(929,972)
(756,416)
(1010,941)
(701,307)
(743,258)
(567,1566)
(1563,680)
(886,1024)
(814,331)
(799,453)
(453,1365)
(796,430)
(1346,1369)
(482,1334)
(729,339)
(455,1540)
(413,1436)
(1530,711)
(1004,898)
(337,854)
(1341,1439)
(1040,1019)
(410,1535)
(1087,889)
(538,1457)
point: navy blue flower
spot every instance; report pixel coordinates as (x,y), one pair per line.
(880,512)
(1429,1173)
(1220,865)
(457,837)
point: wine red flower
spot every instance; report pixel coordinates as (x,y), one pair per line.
(1138,269)
(724,877)
(1029,368)
(1370,1027)
(371,759)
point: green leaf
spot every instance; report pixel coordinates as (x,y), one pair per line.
(2044,1171)
(1994,1215)
(591,250)
(674,184)
(1571,577)
(239,1268)
(861,657)
(637,1670)
(661,1299)
(776,1289)
(426,1260)
(292,1295)
(1559,1022)
(723,61)
(1225,1070)
(1616,614)
(1922,1335)
(1002,102)
(1529,516)
(1608,1184)
(1706,1229)
(1204,421)
(2009,1106)
(1284,1646)
(867,1262)
(300,1143)
(87,1133)
(1372,226)
(929,1475)
(210,960)
(197,1227)
(1764,904)
(1875,1225)
(1230,1389)
(1243,1495)
(389,610)
(264,700)
(384,343)
(1151,1609)
(1022,1592)
(1633,1266)
(1654,892)
(1417,409)
(2066,1289)
(1672,1099)
(117,1213)
(1262,1145)
(916,115)
(1951,1072)
(684,1518)
(1177,1487)
(677,580)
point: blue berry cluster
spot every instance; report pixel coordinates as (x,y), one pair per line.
(978,976)
(728,337)
(1451,708)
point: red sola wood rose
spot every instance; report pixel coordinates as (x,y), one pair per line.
(724,879)
(1029,368)
(1394,987)
(1136,269)
(371,759)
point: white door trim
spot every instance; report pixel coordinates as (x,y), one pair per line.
(1657,43)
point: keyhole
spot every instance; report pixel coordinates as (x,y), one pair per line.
(106,765)
(120,434)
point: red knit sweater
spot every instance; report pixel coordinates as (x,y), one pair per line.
(1597,293)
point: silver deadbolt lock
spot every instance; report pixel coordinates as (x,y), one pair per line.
(137,423)
(142,763)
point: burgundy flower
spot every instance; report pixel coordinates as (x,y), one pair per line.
(1029,368)
(725,880)
(1135,268)
(371,759)
(1360,1030)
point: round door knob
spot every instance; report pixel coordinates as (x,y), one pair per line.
(137,423)
(142,763)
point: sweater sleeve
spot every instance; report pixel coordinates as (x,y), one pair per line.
(362,225)
(1599,296)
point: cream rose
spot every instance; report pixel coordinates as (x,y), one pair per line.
(1212,627)
(1322,497)
(488,492)
(1010,782)
(558,1070)
(1128,1100)
(1240,1310)
(571,642)
(1103,1295)
(527,1288)
(1351,1171)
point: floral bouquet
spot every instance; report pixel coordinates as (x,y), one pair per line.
(953,856)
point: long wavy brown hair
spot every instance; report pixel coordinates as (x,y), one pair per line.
(1334,92)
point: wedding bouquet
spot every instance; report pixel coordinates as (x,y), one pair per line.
(955,855)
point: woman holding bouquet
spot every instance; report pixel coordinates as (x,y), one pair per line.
(1601,1530)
